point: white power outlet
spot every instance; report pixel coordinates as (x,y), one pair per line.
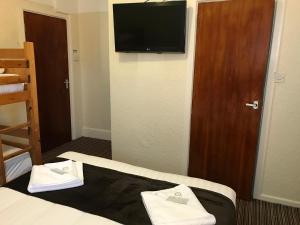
(76,55)
(279,77)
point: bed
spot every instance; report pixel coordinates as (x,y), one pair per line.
(111,195)
(20,164)
(18,84)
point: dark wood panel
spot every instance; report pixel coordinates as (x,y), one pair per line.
(233,40)
(49,35)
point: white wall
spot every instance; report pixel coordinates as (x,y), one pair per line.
(76,94)
(151,103)
(93,36)
(66,6)
(279,175)
(44,2)
(92,6)
(94,60)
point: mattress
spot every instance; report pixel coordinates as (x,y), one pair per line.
(16,166)
(10,88)
(32,210)
(139,171)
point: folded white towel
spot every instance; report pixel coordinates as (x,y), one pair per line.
(176,206)
(56,176)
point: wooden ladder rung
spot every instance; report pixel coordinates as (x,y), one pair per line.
(12,79)
(14,63)
(23,148)
(14,128)
(14,144)
(11,98)
(17,53)
(19,152)
(21,133)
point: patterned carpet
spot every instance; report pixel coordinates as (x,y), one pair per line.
(264,213)
(89,146)
(248,213)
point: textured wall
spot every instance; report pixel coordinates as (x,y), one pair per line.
(150,98)
(92,6)
(93,36)
(282,169)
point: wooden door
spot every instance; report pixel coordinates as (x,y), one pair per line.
(49,36)
(232,49)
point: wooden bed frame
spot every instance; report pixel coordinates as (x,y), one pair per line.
(20,62)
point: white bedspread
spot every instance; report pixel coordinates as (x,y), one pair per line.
(19,209)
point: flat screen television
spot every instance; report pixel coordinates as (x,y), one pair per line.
(150,27)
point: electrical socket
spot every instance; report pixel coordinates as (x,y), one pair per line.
(279,77)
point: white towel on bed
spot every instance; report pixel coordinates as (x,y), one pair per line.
(176,206)
(56,176)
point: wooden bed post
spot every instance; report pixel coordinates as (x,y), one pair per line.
(2,170)
(32,107)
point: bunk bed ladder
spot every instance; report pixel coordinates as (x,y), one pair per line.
(21,59)
(32,107)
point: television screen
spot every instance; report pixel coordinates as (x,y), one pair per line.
(150,27)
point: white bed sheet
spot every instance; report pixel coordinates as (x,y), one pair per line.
(10,88)
(17,166)
(20,209)
(34,211)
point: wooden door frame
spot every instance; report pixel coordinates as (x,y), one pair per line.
(268,95)
(75,117)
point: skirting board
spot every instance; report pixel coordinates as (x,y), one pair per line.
(278,200)
(96,133)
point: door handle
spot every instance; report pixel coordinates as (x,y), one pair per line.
(254,105)
(67,83)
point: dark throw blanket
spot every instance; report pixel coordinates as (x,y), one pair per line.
(116,196)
